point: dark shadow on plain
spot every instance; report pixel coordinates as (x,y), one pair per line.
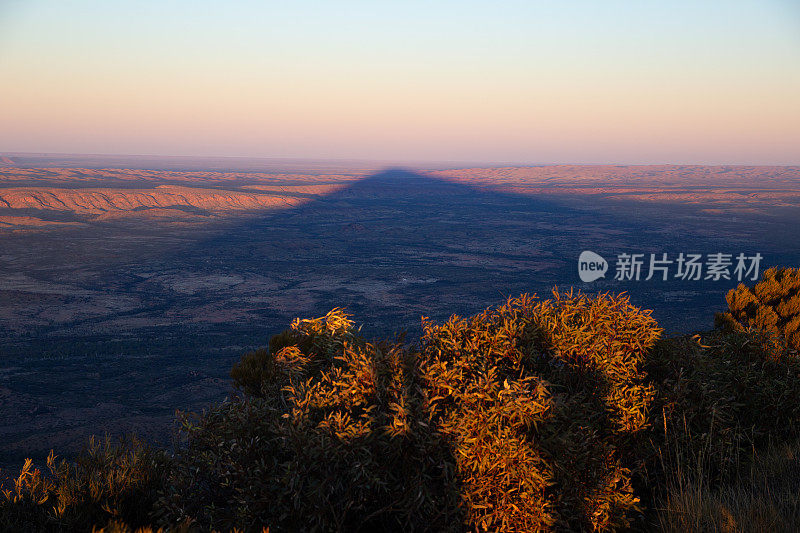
(390,248)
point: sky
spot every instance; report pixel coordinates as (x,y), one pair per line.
(626,82)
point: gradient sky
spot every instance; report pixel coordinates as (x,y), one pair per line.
(640,81)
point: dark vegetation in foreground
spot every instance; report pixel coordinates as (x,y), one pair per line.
(569,414)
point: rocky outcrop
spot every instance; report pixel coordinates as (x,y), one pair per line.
(100,201)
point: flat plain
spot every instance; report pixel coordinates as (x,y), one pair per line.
(129,287)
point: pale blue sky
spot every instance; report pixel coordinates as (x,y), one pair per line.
(574,81)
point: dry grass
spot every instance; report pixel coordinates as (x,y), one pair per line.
(762,497)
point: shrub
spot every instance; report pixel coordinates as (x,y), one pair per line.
(333,439)
(560,414)
(518,419)
(720,395)
(307,345)
(541,401)
(108,481)
(772,306)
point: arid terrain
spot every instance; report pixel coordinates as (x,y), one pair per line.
(155,275)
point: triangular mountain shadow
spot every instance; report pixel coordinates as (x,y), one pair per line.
(391,247)
(400,244)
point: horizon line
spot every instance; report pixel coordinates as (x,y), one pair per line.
(486,164)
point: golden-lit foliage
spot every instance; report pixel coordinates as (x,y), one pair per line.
(333,439)
(307,342)
(563,414)
(542,401)
(520,418)
(107,481)
(772,306)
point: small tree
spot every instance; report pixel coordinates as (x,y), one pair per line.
(772,306)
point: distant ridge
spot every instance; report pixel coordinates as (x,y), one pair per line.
(221,163)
